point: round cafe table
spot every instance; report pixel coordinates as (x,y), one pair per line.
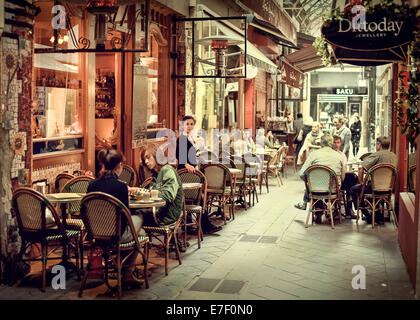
(63,199)
(141,204)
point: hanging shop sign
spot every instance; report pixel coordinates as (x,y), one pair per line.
(375,33)
(368,35)
(291,76)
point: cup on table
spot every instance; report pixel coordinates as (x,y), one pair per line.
(146,195)
(154,194)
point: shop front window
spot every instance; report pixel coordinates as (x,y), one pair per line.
(56,109)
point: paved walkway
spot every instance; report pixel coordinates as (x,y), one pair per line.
(267,253)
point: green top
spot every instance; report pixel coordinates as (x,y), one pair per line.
(169,185)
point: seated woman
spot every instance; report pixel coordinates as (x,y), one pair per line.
(167,181)
(107,182)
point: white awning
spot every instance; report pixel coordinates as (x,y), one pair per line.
(253,56)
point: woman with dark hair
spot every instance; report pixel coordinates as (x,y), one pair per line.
(166,180)
(356,129)
(107,182)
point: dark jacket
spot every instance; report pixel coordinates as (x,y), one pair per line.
(356,129)
(185,152)
(110,184)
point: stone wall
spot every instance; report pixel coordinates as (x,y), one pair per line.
(15,123)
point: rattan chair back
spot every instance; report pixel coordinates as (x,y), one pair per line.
(30,209)
(382,177)
(321,179)
(77,185)
(102,215)
(363,156)
(128,175)
(61,180)
(196,196)
(412,179)
(146,183)
(216,175)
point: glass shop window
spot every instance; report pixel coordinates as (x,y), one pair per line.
(56,107)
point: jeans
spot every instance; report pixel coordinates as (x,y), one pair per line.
(355,191)
(126,237)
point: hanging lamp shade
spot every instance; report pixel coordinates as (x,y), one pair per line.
(220,42)
(102,6)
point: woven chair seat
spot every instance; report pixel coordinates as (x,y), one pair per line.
(192,208)
(321,194)
(162,229)
(142,240)
(75,223)
(378,193)
(70,234)
(219,191)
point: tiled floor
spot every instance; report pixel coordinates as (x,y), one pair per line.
(267,253)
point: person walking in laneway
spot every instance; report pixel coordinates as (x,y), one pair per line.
(356,129)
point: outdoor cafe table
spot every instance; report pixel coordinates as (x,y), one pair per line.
(63,199)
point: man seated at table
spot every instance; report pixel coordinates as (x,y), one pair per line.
(269,140)
(325,156)
(350,179)
(382,155)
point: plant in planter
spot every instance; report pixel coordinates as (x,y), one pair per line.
(406,104)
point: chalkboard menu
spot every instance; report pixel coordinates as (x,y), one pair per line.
(140,98)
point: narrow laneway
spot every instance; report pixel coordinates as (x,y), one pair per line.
(267,253)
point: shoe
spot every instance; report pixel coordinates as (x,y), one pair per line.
(318,219)
(130,281)
(301,206)
(180,246)
(211,229)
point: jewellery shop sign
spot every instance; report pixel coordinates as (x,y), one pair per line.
(368,31)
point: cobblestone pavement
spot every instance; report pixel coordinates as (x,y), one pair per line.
(267,253)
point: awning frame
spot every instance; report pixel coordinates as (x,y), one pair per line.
(193,75)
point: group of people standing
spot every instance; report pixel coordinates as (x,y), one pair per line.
(309,137)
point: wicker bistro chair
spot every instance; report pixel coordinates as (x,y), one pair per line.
(363,156)
(324,189)
(274,166)
(76,185)
(146,183)
(61,180)
(167,231)
(30,209)
(219,189)
(412,179)
(195,201)
(102,215)
(128,175)
(382,179)
(243,182)
(255,176)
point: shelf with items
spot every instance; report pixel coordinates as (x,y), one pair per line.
(52,145)
(105,95)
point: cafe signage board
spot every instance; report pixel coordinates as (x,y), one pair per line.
(140,98)
(291,76)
